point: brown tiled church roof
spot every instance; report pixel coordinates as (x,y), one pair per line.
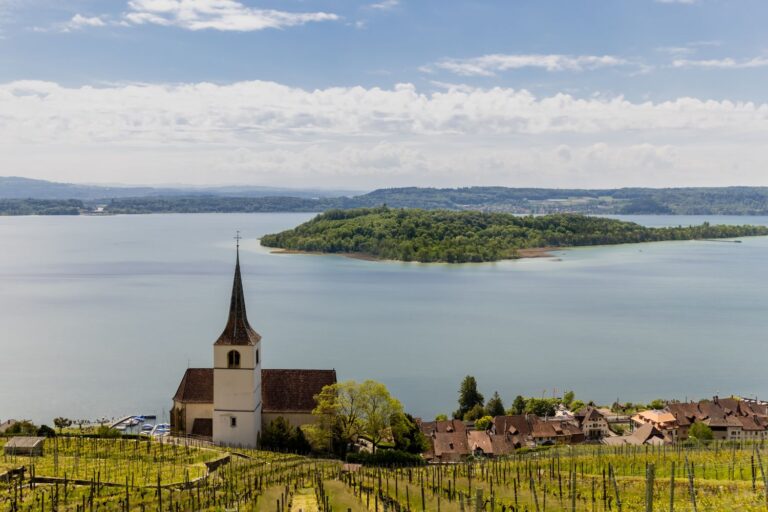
(238,331)
(281,390)
(196,386)
(293,390)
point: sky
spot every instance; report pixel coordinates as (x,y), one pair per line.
(361,94)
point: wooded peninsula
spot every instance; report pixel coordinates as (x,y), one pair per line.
(470,236)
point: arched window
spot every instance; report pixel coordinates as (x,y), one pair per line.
(233,359)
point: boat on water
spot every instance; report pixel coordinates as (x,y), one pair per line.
(161,429)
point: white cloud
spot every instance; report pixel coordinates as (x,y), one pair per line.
(224,15)
(264,132)
(489,65)
(79,21)
(676,50)
(727,63)
(385,5)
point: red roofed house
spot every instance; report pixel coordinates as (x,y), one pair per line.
(231,402)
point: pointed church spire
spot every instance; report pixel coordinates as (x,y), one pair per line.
(238,331)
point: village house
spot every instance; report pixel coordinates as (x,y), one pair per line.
(232,402)
(451,441)
(553,431)
(447,440)
(530,430)
(646,434)
(728,418)
(593,423)
(663,421)
(5,425)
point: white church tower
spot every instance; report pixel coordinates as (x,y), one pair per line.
(237,375)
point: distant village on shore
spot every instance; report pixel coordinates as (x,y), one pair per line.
(720,419)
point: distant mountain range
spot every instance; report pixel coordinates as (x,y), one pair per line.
(13,187)
(22,196)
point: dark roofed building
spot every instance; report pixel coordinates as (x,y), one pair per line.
(286,393)
(448,446)
(442,426)
(556,432)
(729,418)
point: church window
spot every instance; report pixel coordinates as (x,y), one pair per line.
(233,359)
(233,422)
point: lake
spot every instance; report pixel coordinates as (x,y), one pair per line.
(100,316)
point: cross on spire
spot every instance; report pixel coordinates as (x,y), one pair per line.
(237,239)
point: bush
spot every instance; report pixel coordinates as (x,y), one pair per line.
(700,432)
(388,458)
(107,432)
(46,431)
(484,423)
(280,436)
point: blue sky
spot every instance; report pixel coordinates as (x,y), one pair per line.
(388,93)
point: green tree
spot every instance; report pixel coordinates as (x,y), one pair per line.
(348,410)
(45,431)
(700,432)
(495,406)
(475,413)
(339,413)
(518,405)
(568,398)
(657,404)
(407,435)
(378,408)
(541,406)
(24,428)
(469,397)
(577,405)
(280,435)
(62,423)
(484,423)
(441,417)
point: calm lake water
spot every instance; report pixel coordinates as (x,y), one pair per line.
(100,316)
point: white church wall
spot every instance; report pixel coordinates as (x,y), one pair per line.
(243,433)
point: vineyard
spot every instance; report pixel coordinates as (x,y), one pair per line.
(79,474)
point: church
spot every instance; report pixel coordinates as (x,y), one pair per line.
(232,402)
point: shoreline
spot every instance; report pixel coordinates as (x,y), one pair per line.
(533,252)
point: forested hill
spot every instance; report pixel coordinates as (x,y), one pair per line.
(668,201)
(25,197)
(468,236)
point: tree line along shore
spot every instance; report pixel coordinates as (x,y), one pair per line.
(35,197)
(470,236)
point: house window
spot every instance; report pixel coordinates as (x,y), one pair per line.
(257,356)
(233,422)
(233,359)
